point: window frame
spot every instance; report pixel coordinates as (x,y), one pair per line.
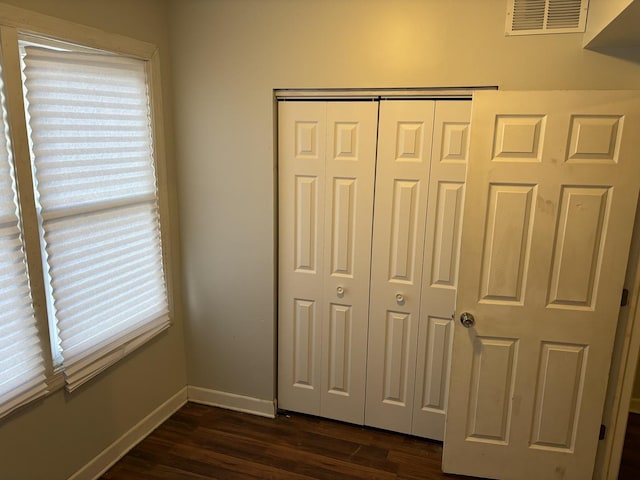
(17,23)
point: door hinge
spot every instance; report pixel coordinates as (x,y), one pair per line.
(603,432)
(624,301)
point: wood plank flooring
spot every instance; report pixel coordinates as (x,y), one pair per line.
(630,464)
(201,442)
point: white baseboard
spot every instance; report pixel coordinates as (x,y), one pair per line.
(126,442)
(634,407)
(231,401)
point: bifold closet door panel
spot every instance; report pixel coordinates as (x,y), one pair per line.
(402,177)
(440,272)
(327,168)
(350,172)
(301,172)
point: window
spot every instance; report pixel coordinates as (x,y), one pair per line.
(91,147)
(22,369)
(85,209)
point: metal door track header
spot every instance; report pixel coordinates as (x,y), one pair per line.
(378,93)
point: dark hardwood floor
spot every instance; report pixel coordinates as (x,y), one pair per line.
(201,442)
(630,464)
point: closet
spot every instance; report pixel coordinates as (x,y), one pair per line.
(370,203)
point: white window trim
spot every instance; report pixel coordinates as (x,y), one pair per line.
(16,22)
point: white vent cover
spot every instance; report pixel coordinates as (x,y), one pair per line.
(530,17)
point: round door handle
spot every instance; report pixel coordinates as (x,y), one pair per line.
(467,320)
(399,298)
(340,290)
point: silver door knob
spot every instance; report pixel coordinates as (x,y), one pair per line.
(340,290)
(467,320)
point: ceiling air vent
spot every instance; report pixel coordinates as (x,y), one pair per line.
(530,17)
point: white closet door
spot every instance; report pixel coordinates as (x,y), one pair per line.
(327,165)
(404,150)
(440,273)
(350,170)
(301,171)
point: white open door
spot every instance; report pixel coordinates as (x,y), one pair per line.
(552,188)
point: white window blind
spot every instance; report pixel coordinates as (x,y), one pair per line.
(91,141)
(22,368)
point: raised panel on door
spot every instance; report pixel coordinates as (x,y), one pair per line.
(402,182)
(350,170)
(440,267)
(550,204)
(301,304)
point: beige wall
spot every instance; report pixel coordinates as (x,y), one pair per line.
(53,438)
(228,56)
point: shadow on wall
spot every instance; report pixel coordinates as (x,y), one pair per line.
(630,54)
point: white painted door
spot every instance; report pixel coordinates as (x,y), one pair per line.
(402,183)
(301,171)
(440,271)
(551,193)
(326,169)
